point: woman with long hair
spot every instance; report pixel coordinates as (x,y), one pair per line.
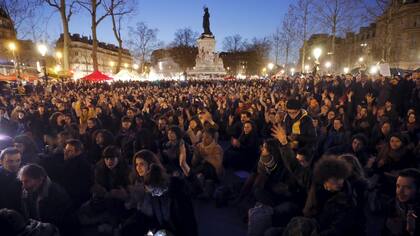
(161,201)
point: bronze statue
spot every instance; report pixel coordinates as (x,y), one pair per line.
(206,22)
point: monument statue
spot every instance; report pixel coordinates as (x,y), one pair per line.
(206,22)
(207,62)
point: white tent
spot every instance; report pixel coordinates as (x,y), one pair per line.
(125,75)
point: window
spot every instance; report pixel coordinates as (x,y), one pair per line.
(417,22)
(413,41)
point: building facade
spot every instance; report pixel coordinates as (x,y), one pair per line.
(80,55)
(393,38)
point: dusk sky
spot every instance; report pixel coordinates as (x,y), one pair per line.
(249,18)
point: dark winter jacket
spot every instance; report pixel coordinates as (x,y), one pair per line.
(112,179)
(10,190)
(334,212)
(49,204)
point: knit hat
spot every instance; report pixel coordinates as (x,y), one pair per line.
(293,104)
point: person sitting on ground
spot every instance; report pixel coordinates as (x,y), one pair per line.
(43,199)
(12,223)
(166,203)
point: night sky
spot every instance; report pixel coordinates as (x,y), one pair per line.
(249,18)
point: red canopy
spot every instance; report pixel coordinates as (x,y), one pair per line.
(96,76)
(8,77)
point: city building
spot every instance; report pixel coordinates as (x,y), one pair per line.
(393,38)
(15,53)
(80,52)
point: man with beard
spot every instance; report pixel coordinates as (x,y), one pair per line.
(73,172)
(403,215)
(43,199)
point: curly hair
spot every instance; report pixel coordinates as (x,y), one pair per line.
(331,167)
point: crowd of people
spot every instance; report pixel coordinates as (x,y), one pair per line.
(324,155)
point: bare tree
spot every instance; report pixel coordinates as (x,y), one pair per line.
(20,11)
(142,41)
(338,17)
(301,11)
(259,51)
(118,9)
(66,8)
(93,7)
(185,37)
(277,44)
(288,34)
(233,43)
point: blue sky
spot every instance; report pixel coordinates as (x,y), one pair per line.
(249,18)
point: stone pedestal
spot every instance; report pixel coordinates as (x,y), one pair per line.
(208,62)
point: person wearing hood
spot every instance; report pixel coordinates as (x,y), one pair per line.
(243,152)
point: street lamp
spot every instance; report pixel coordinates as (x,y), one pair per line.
(346,70)
(135,67)
(328,64)
(59,55)
(292,71)
(317,52)
(111,64)
(57,69)
(306,68)
(361,59)
(270,66)
(12,47)
(42,49)
(125,65)
(373,69)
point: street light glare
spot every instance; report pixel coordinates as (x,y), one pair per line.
(42,49)
(317,53)
(361,59)
(12,46)
(59,55)
(270,66)
(373,69)
(328,64)
(346,70)
(135,67)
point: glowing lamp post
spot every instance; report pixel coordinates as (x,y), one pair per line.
(373,70)
(42,49)
(292,71)
(12,47)
(306,68)
(135,67)
(346,70)
(317,52)
(328,66)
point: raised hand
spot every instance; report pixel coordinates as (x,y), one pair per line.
(279,134)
